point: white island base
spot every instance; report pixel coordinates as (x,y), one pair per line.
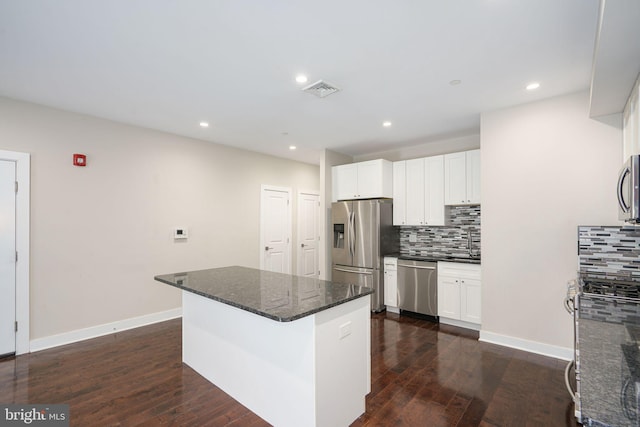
(314,371)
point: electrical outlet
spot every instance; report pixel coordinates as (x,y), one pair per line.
(345,330)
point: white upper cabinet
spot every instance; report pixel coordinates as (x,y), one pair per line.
(462,178)
(455,178)
(364,180)
(418,191)
(399,193)
(631,124)
(415,192)
(345,182)
(434,202)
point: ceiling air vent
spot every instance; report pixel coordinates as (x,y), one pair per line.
(320,89)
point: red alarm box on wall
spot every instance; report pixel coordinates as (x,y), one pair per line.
(79,160)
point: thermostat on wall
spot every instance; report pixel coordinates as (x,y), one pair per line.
(180,233)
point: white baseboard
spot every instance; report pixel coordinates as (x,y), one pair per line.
(558,352)
(460,323)
(100,330)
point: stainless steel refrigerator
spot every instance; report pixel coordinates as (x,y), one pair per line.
(363,233)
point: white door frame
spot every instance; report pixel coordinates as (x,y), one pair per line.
(299,233)
(23,168)
(264,187)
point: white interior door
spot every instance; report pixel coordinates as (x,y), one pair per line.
(275,214)
(7,257)
(308,236)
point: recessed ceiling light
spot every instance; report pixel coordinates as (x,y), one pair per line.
(292,147)
(533,86)
(301,78)
(204,124)
(455,82)
(386,124)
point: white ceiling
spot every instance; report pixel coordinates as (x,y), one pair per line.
(168,65)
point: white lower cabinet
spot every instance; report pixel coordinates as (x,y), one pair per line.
(459,294)
(391,283)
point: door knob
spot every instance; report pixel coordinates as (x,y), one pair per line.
(266,248)
(302,245)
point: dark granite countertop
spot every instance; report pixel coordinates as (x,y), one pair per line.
(434,258)
(277,296)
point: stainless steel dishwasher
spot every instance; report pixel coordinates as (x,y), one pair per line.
(418,287)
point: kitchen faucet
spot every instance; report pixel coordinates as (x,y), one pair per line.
(470,245)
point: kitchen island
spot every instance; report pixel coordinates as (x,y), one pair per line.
(294,350)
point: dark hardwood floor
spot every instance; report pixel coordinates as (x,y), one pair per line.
(423,374)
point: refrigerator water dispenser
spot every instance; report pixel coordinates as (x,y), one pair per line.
(338,236)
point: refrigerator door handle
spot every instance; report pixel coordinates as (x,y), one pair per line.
(352,234)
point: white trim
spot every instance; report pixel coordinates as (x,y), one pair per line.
(287,190)
(299,233)
(104,329)
(558,352)
(23,174)
(460,323)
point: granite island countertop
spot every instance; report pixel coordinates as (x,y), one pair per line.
(277,296)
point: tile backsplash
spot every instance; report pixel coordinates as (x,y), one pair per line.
(448,240)
(609,250)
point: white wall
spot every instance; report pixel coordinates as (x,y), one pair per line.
(433,148)
(100,233)
(546,168)
(327,161)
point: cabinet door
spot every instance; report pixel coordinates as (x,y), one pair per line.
(399,193)
(473,176)
(434,190)
(346,185)
(470,301)
(369,179)
(391,288)
(631,124)
(448,297)
(415,192)
(455,181)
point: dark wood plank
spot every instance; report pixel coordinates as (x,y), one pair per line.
(422,374)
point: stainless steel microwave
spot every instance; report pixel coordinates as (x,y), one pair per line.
(628,191)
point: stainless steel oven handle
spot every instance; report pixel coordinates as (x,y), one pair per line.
(351,271)
(621,202)
(416,266)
